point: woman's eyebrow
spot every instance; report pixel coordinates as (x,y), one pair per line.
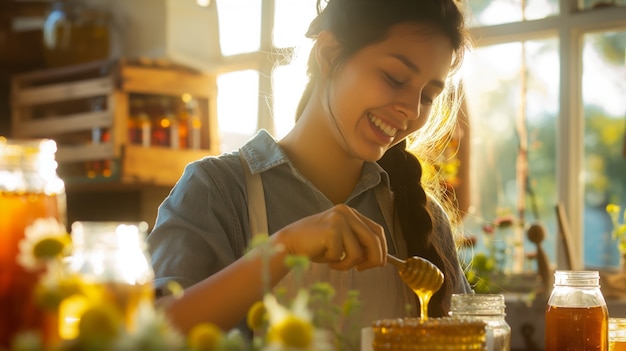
(413,67)
(408,63)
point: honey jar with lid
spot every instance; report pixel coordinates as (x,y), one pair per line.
(576,313)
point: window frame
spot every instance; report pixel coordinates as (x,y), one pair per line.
(569,26)
(264,61)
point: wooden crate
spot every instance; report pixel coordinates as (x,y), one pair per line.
(69,104)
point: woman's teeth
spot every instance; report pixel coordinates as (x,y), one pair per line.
(385,128)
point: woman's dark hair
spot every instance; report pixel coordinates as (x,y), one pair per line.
(359,23)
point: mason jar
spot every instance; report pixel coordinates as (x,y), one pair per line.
(111,262)
(576,314)
(489,308)
(75,33)
(30,189)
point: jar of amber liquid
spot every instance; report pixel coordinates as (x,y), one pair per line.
(433,334)
(617,334)
(29,190)
(74,33)
(576,314)
(111,262)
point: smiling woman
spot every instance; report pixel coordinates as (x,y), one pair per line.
(377,74)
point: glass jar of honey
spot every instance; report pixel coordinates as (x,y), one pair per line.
(29,190)
(414,334)
(111,262)
(576,314)
(617,334)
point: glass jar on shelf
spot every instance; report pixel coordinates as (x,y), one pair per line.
(74,33)
(111,262)
(30,189)
(193,122)
(139,125)
(165,122)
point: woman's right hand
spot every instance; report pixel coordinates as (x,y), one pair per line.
(340,236)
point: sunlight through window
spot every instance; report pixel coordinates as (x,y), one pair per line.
(239,26)
(237,107)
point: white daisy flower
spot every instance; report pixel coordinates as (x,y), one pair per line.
(153,332)
(44,240)
(292,329)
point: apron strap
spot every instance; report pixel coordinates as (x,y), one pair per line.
(257,211)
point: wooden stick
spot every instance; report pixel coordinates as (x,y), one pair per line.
(395,261)
(565,235)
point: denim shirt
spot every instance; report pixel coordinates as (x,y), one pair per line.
(202,226)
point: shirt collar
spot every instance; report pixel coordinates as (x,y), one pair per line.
(262,152)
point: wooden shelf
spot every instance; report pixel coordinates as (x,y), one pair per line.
(69,104)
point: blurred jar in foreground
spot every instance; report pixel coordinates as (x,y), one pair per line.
(29,190)
(617,334)
(576,314)
(488,308)
(74,33)
(111,262)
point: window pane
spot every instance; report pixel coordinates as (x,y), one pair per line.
(291,21)
(492,12)
(237,107)
(604,89)
(512,95)
(288,83)
(239,25)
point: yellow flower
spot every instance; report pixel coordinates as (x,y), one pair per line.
(204,337)
(293,331)
(100,322)
(612,209)
(44,240)
(257,316)
(619,229)
(292,328)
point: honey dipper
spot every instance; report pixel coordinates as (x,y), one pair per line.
(422,276)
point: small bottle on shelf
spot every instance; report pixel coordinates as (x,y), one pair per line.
(194,124)
(165,123)
(181,115)
(99,135)
(139,125)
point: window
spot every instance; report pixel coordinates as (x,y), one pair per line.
(546,88)
(266,48)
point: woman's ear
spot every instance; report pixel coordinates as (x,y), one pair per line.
(326,51)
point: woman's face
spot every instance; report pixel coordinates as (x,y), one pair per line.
(385,91)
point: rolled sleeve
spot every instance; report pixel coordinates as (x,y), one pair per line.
(199,229)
